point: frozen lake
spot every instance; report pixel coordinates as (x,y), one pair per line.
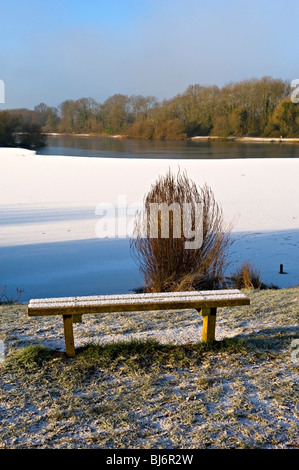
(108,147)
(95,266)
(48,219)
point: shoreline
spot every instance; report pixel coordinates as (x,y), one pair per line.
(66,134)
(249,139)
(288,140)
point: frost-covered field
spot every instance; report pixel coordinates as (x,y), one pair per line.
(240,393)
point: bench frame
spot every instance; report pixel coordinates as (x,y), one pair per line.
(72,308)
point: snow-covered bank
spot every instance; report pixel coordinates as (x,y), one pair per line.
(267,140)
(50,200)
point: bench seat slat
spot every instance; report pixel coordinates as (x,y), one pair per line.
(136,302)
(171,295)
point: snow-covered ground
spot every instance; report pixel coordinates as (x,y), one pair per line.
(52,237)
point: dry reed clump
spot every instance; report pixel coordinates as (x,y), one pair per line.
(165,262)
(247,277)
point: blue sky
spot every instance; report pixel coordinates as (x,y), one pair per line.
(51,51)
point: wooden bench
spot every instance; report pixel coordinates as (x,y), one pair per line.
(72,308)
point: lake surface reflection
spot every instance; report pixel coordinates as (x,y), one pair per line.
(109,147)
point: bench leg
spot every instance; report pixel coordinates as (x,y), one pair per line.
(69,335)
(209,324)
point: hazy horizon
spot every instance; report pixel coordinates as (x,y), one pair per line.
(53,51)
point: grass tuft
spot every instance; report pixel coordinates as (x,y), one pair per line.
(151,352)
(32,355)
(129,354)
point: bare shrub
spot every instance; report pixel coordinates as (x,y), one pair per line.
(165,263)
(4,299)
(246,277)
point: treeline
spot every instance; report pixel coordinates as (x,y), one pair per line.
(253,107)
(16,131)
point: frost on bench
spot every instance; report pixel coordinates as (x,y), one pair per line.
(137,299)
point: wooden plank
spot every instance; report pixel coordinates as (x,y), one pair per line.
(135,301)
(209,325)
(69,335)
(132,297)
(95,309)
(139,304)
